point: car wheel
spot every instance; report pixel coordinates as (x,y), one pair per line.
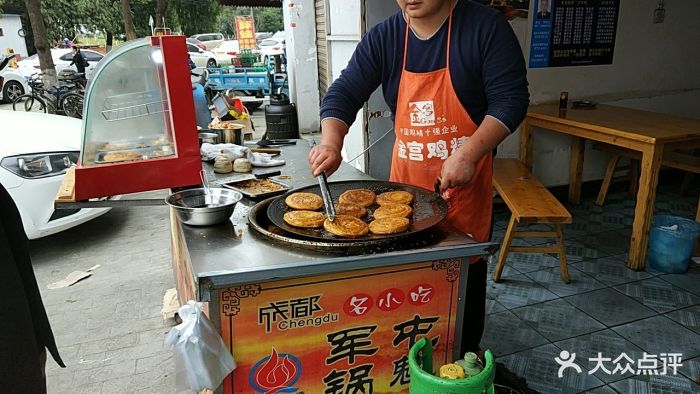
(211,63)
(11,91)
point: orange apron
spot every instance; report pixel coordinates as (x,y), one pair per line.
(431,124)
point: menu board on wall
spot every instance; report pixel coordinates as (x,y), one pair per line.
(573,32)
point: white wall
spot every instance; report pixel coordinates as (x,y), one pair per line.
(302,67)
(655,68)
(10,25)
(345,31)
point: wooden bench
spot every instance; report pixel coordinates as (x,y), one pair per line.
(673,159)
(529,202)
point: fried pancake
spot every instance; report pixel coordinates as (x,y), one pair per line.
(363,197)
(350,209)
(395,197)
(393,211)
(388,226)
(121,156)
(304,201)
(346,226)
(306,219)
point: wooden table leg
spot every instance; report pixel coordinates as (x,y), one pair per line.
(646,196)
(526,144)
(576,169)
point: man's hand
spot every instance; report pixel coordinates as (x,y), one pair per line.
(460,167)
(456,171)
(324,158)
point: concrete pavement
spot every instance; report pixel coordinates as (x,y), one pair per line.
(108,327)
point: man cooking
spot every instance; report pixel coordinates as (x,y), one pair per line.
(454,76)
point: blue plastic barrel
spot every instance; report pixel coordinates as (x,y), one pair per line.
(671,243)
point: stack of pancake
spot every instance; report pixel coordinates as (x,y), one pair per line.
(390,217)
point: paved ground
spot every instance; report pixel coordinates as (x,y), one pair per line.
(108,327)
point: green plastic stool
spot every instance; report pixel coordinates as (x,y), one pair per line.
(424,382)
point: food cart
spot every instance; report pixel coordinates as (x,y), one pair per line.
(308,316)
(299,314)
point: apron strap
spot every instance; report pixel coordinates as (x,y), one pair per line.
(449,33)
(405,42)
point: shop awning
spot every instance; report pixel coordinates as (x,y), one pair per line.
(252,3)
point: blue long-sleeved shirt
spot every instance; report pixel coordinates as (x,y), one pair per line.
(486,65)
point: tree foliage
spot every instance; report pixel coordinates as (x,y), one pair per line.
(196,16)
(269,20)
(70,18)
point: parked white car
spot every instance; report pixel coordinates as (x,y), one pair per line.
(226,51)
(210,40)
(62,57)
(32,169)
(271,47)
(12,83)
(200,57)
(262,36)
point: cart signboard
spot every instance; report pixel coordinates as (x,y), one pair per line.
(245,31)
(339,333)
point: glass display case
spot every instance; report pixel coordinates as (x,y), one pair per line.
(127,113)
(139,129)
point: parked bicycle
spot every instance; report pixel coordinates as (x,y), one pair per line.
(63,99)
(31,101)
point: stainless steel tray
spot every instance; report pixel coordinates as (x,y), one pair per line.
(236,185)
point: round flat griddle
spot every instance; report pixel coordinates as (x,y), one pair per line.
(260,223)
(428,209)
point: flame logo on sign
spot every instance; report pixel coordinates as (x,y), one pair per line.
(275,373)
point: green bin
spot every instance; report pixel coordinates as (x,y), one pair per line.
(424,382)
(247,58)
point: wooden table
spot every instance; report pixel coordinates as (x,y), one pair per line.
(647,132)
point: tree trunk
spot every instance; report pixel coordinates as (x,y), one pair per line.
(128,21)
(41,43)
(109,39)
(160,13)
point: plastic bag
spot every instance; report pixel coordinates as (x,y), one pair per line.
(231,151)
(201,358)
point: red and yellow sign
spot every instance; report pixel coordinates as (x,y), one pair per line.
(162,31)
(338,333)
(245,31)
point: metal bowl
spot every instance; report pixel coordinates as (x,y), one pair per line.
(212,138)
(191,208)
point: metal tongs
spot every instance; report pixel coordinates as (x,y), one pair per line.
(208,199)
(326,194)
